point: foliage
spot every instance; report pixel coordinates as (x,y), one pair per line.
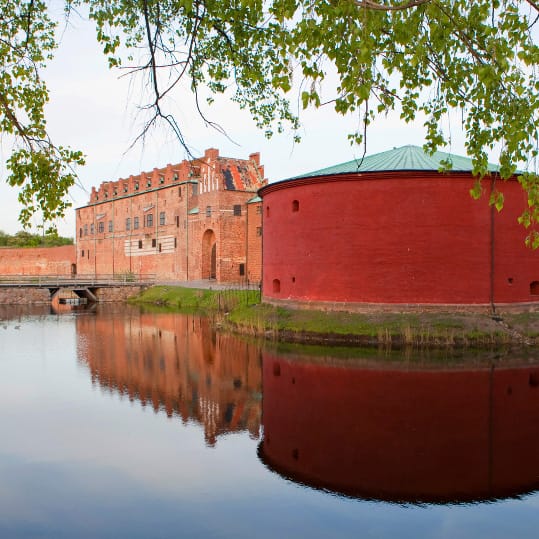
(42,171)
(27,239)
(423,57)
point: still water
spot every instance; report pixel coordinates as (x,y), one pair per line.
(118,423)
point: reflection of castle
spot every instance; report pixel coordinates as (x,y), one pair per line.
(409,436)
(177,364)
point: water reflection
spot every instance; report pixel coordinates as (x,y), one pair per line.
(176,364)
(403,434)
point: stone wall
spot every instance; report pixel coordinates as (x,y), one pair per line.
(24,296)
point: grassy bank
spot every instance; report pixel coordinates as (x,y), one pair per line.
(240,310)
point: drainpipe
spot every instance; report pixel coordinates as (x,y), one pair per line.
(492,248)
(188,186)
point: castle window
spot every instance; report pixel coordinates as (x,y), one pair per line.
(140,244)
(242,269)
(534,288)
(85,230)
(136,186)
(161,180)
(80,232)
(295,205)
(259,209)
(175,177)
(128,223)
(177,221)
(135,223)
(208,211)
(101,227)
(110,226)
(92,228)
(154,242)
(82,253)
(126,188)
(276,285)
(267,211)
(88,253)
(194,191)
(162,216)
(159,247)
(237,209)
(148,220)
(259,231)
(175,243)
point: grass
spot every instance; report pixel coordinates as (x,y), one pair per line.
(241,311)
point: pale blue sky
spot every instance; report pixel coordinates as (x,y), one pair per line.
(94,110)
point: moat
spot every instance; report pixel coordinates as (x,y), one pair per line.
(118,422)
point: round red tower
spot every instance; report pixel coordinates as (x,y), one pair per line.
(391,229)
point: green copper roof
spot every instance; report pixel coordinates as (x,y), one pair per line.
(194,211)
(403,158)
(254,199)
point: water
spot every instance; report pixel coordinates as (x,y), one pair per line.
(118,424)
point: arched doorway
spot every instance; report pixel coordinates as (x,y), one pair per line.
(209,255)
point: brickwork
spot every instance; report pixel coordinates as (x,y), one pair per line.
(403,237)
(38,261)
(167,222)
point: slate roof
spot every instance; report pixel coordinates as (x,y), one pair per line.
(403,158)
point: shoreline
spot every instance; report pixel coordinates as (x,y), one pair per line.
(240,311)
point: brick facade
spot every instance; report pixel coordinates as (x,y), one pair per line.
(396,238)
(182,222)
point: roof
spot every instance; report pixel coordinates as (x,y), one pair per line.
(239,174)
(403,158)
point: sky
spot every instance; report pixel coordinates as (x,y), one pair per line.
(94,109)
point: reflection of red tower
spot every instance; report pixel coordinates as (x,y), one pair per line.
(177,364)
(421,435)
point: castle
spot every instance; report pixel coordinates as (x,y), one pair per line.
(200,219)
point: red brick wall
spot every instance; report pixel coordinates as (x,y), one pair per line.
(254,243)
(393,238)
(37,261)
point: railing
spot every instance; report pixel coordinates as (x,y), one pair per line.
(78,280)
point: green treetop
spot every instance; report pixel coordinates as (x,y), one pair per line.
(422,57)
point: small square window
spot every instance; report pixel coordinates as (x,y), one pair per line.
(237,209)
